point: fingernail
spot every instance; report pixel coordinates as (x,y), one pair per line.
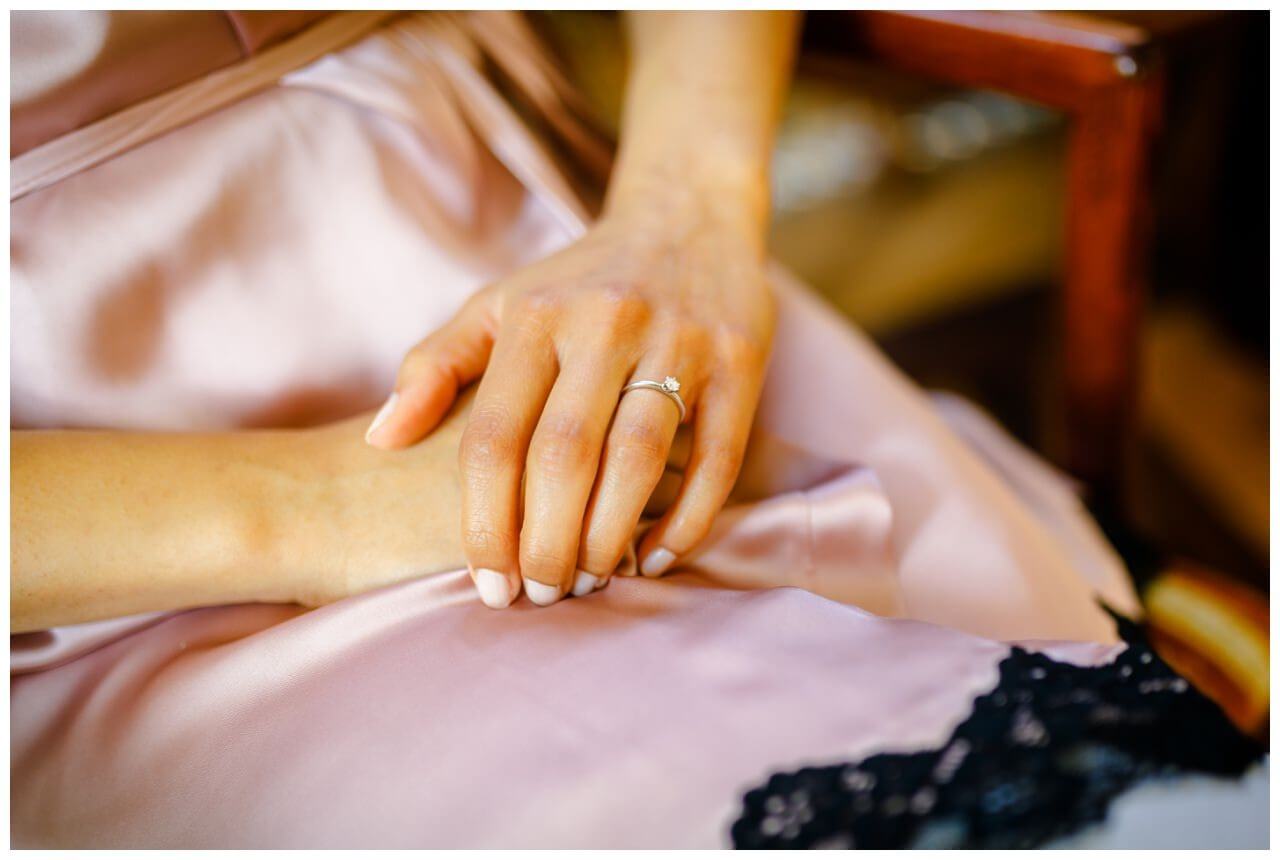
(494,588)
(585,583)
(657,562)
(541,593)
(383,414)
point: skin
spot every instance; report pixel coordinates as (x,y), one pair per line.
(112,524)
(546,473)
(555,470)
(109,524)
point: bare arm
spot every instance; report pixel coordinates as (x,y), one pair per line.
(107,524)
(702,101)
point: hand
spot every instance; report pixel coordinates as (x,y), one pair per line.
(649,292)
(341,517)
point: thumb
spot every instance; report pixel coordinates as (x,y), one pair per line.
(430,377)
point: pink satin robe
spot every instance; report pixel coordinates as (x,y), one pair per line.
(267,260)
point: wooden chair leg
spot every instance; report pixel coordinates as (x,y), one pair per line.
(1107,248)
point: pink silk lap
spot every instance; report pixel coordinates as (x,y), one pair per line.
(268,263)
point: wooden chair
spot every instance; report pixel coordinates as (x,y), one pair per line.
(1106,78)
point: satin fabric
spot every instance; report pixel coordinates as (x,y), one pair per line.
(71,68)
(415,716)
(268,264)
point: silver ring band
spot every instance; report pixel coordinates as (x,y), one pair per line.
(669,386)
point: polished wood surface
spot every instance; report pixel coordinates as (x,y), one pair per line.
(1105,75)
(1055,58)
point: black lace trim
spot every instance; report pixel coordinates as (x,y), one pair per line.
(1042,755)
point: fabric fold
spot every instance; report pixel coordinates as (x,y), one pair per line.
(268,263)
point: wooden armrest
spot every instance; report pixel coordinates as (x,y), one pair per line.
(1054,58)
(1106,77)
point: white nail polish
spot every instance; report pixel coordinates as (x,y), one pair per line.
(494,588)
(541,593)
(657,562)
(383,414)
(585,583)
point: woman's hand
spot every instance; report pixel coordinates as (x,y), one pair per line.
(555,468)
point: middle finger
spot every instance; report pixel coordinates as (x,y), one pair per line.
(563,458)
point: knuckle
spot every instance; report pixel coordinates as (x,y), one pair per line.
(535,303)
(423,361)
(691,528)
(538,557)
(621,297)
(563,446)
(690,334)
(417,362)
(488,441)
(619,306)
(641,442)
(485,541)
(720,460)
(739,348)
(680,336)
(534,312)
(600,555)
(424,350)
(480,302)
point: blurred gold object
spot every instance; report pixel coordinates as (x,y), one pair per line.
(1215,631)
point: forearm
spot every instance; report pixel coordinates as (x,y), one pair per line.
(702,100)
(111,524)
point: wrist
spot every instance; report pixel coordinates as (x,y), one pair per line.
(290,537)
(345,517)
(679,201)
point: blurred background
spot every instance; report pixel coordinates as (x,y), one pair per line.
(933,215)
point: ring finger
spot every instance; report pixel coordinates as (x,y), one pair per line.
(634,458)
